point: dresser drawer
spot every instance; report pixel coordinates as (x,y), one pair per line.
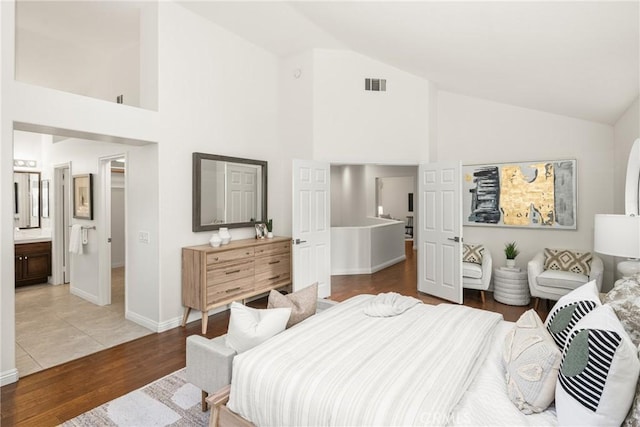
(273,248)
(274,274)
(230,255)
(226,272)
(273,262)
(217,293)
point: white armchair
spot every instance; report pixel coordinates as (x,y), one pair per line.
(553,284)
(478,276)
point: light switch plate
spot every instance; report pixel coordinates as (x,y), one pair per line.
(143,236)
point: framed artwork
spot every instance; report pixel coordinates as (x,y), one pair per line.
(526,194)
(83,196)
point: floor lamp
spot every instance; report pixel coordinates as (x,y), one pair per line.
(619,235)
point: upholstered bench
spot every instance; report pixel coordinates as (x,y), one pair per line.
(210,361)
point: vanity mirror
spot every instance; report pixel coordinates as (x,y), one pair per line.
(228,192)
(26,199)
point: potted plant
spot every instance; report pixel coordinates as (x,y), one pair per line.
(511,252)
(269,225)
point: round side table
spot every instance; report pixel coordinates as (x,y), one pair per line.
(511,287)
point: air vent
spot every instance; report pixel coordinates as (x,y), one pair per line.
(376,85)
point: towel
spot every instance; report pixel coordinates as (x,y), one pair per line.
(389,304)
(75,240)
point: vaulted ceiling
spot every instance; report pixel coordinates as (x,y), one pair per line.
(576,58)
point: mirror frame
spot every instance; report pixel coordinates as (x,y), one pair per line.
(15,197)
(197,189)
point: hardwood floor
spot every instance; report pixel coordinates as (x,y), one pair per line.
(52,396)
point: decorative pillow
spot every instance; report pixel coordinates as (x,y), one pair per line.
(575,262)
(599,372)
(532,361)
(302,303)
(570,309)
(624,298)
(249,327)
(633,417)
(472,253)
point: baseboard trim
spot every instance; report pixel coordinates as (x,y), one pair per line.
(84,295)
(389,263)
(195,315)
(370,270)
(142,321)
(9,377)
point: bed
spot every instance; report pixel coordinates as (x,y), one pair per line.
(342,367)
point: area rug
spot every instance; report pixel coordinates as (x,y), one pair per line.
(169,401)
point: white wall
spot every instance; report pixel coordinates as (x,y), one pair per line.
(53,63)
(393,196)
(351,125)
(626,131)
(348,195)
(477,131)
(218,94)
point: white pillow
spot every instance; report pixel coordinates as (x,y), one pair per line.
(249,327)
(531,361)
(599,357)
(570,309)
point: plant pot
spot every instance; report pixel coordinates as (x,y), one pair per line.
(269,235)
(511,263)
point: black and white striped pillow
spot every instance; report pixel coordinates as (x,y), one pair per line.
(568,311)
(598,373)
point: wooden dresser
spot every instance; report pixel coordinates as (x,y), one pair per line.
(212,277)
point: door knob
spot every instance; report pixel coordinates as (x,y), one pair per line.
(454,239)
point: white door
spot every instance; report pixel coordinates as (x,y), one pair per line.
(311,223)
(242,193)
(440,235)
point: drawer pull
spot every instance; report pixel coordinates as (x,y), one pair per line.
(274,262)
(232,272)
(216,259)
(275,277)
(237,288)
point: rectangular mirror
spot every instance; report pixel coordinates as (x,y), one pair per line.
(228,192)
(26,199)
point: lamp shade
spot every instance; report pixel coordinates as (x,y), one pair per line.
(617,235)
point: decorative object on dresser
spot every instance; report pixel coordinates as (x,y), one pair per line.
(260,231)
(215,240)
(510,286)
(476,268)
(556,272)
(511,252)
(269,225)
(213,277)
(225,236)
(32,263)
(619,235)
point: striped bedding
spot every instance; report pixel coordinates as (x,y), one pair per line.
(342,367)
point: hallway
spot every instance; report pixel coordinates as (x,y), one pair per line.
(53,326)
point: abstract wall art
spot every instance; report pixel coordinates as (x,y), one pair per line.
(525,194)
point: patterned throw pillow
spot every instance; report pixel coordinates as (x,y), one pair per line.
(302,303)
(532,361)
(570,309)
(575,262)
(624,298)
(472,253)
(599,372)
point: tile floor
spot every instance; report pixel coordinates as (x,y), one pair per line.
(53,326)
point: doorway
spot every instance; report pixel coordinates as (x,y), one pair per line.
(112,280)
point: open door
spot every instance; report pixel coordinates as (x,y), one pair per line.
(440,230)
(311,226)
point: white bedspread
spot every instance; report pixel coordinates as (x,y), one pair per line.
(342,367)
